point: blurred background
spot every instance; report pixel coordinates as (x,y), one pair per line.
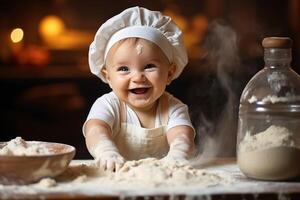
(47,88)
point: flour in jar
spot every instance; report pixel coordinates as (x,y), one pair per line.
(270,155)
(275,99)
(273,136)
(20,147)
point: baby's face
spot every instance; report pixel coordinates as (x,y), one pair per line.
(138,72)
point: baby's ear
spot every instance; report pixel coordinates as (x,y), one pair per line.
(171,73)
(105,74)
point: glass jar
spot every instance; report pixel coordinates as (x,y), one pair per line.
(268,143)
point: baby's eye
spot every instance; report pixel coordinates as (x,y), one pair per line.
(149,66)
(123,69)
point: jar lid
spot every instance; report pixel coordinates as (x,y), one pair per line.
(277,42)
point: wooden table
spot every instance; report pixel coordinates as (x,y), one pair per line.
(240,188)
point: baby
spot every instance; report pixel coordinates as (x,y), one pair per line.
(138,53)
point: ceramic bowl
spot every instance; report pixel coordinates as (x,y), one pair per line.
(28,169)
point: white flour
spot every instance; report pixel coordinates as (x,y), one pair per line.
(143,176)
(153,173)
(274,136)
(20,147)
(82,180)
(146,175)
(275,99)
(148,172)
(270,155)
(47,183)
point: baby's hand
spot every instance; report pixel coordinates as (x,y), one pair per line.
(107,155)
(178,153)
(174,160)
(110,161)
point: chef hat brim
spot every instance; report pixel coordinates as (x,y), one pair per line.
(141,23)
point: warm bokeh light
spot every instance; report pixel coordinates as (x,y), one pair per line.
(17,35)
(56,35)
(51,26)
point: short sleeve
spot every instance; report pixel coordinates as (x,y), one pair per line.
(178,114)
(105,108)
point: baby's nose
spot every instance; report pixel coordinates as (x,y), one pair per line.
(138,76)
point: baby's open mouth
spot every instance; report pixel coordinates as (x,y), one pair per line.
(139,90)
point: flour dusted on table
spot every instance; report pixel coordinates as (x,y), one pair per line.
(146,175)
(149,172)
(20,147)
(137,178)
(154,172)
(47,183)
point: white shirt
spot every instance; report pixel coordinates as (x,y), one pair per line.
(107,109)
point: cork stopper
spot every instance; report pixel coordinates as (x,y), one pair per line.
(277,42)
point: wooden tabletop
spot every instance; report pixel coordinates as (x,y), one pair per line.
(241,187)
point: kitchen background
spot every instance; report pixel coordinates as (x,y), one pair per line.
(47,88)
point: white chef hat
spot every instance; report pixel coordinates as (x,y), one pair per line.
(141,23)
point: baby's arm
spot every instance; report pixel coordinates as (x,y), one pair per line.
(100,145)
(181,141)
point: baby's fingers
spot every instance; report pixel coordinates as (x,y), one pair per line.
(101,163)
(119,166)
(110,165)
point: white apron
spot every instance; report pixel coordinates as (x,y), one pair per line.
(135,142)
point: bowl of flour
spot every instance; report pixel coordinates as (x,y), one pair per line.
(25,162)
